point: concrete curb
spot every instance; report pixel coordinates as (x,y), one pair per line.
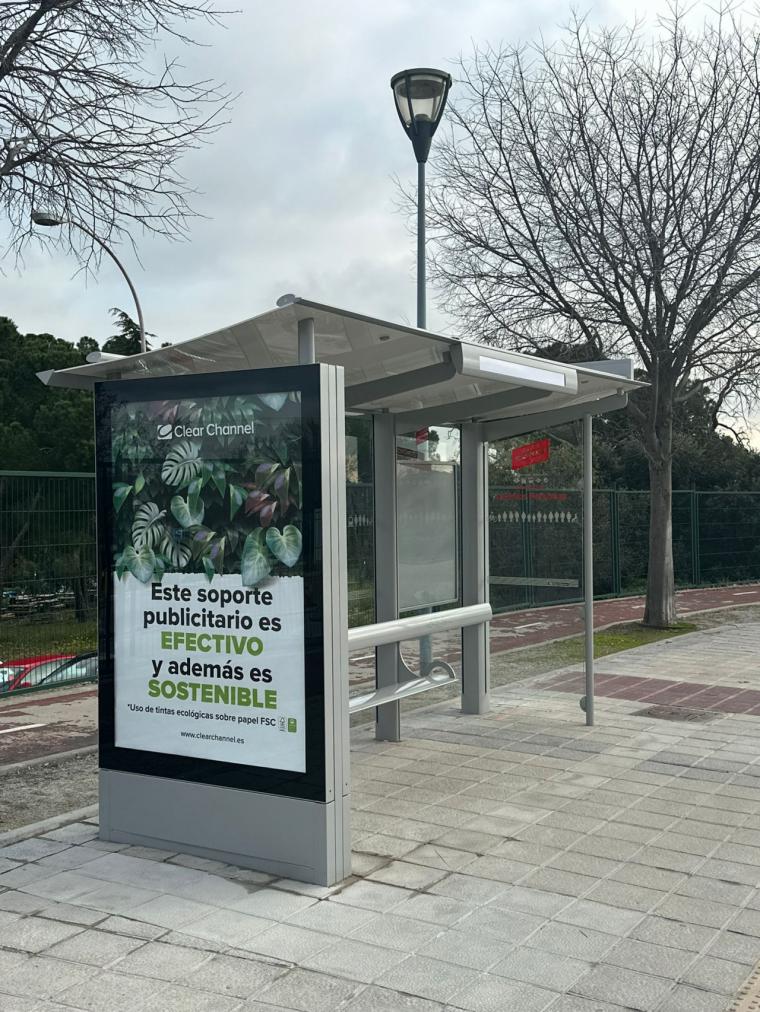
(56,757)
(37,828)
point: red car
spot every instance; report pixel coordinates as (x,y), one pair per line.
(24,672)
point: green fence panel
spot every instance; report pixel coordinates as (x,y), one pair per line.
(729,536)
(683,541)
(633,539)
(48,564)
(536,542)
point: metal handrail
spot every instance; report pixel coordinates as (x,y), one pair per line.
(400,629)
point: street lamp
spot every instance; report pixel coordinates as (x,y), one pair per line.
(420,97)
(46,220)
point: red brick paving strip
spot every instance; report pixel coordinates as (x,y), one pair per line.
(43,699)
(538,625)
(696,695)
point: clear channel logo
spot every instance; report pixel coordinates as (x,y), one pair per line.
(183,431)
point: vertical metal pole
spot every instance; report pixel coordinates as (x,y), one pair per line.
(426,643)
(698,538)
(523,518)
(474,554)
(694,529)
(388,726)
(615,541)
(588,564)
(421,271)
(335,594)
(530,541)
(307,352)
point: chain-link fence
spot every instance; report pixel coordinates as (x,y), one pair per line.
(47,552)
(47,566)
(47,576)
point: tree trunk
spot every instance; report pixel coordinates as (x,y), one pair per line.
(79,583)
(660,610)
(8,552)
(79,589)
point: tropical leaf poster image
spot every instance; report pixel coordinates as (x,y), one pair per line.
(211,486)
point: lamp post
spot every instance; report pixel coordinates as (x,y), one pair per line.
(420,97)
(50,221)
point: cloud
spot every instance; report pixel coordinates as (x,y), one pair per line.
(298,188)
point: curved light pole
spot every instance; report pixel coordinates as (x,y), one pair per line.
(49,221)
(420,97)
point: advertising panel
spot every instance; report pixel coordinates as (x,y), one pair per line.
(210,501)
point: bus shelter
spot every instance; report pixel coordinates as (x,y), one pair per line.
(282,802)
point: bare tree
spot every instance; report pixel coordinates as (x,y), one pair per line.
(87,132)
(605,189)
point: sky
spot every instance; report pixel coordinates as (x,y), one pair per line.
(298,191)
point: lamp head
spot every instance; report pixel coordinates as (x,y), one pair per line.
(45,219)
(420,97)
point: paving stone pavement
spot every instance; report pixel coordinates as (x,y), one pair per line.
(724,655)
(716,670)
(515,861)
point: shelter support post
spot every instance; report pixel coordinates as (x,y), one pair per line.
(474,554)
(307,350)
(388,725)
(588,564)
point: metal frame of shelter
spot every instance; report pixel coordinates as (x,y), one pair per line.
(407,378)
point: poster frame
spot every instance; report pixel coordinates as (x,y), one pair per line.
(311,784)
(405,605)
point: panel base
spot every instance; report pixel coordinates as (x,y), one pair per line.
(304,840)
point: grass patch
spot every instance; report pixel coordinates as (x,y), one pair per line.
(515,665)
(632,634)
(625,636)
(32,639)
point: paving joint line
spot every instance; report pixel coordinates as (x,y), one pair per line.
(46,825)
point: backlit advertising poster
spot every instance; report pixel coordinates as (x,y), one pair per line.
(206,621)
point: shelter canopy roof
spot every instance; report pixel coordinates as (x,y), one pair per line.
(422,377)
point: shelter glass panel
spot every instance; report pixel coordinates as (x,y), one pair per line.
(535,520)
(362,678)
(429,553)
(428,495)
(360,521)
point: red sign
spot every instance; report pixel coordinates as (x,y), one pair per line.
(531,453)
